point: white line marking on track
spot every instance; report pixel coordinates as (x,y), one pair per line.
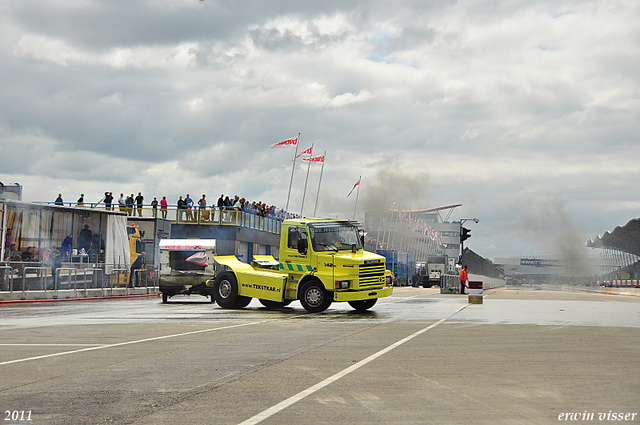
(305,393)
(119,344)
(50,345)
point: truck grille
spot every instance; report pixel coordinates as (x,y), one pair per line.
(371,275)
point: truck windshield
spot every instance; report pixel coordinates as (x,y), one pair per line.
(334,237)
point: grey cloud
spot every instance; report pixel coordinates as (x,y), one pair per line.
(409,38)
(276,40)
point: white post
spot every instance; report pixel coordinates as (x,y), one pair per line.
(286,209)
(305,183)
(324,155)
(357,194)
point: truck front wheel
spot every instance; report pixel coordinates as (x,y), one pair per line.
(225,290)
(363,304)
(242,302)
(314,298)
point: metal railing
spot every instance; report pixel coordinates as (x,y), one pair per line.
(119,275)
(213,215)
(34,277)
(72,272)
(41,272)
(95,272)
(6,278)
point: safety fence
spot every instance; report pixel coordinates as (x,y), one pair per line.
(623,283)
(81,279)
(479,265)
(213,215)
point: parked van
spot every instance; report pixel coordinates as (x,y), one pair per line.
(185,267)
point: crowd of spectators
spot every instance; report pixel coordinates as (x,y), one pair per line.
(133,205)
(225,203)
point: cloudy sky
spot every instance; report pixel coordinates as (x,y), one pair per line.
(526,112)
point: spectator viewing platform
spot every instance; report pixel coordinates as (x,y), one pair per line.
(264,219)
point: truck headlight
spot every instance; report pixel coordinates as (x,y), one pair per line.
(389,278)
(343,284)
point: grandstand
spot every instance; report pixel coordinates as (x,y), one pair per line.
(616,264)
(621,248)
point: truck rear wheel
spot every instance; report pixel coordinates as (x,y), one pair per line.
(314,298)
(225,290)
(363,304)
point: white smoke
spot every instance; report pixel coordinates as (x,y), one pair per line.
(546,222)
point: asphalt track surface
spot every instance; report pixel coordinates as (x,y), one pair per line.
(524,356)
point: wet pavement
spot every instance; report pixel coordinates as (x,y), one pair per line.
(526,355)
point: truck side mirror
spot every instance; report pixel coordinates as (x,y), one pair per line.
(302,246)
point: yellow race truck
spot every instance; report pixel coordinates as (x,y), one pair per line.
(321,261)
(136,247)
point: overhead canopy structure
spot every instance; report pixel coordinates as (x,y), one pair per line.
(434,210)
(623,238)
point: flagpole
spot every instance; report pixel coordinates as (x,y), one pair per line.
(305,182)
(286,209)
(324,155)
(357,194)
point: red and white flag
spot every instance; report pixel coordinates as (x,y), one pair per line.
(354,187)
(288,142)
(314,159)
(306,152)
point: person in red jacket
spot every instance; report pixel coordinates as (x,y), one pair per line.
(464,278)
(163,206)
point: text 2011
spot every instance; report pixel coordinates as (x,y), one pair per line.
(17,415)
